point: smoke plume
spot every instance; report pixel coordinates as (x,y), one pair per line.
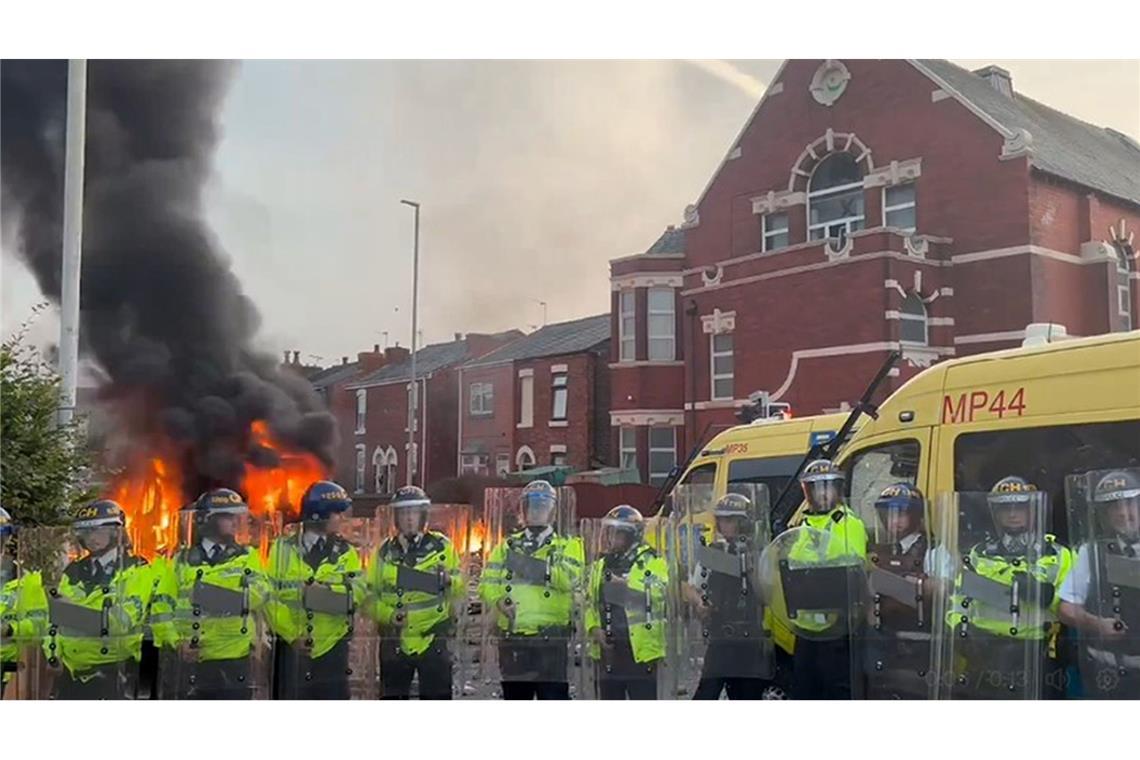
(161,312)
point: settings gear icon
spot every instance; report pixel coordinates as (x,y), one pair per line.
(1106,679)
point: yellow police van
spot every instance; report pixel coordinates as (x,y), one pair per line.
(1041,412)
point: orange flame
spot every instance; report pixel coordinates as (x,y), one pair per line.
(476,537)
(278,490)
(150,493)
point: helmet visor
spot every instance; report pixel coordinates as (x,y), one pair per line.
(537,509)
(822,494)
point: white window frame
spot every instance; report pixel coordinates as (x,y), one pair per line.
(361,410)
(767,233)
(525,453)
(627,448)
(659,475)
(485,393)
(627,335)
(913,204)
(713,354)
(474,464)
(559,390)
(361,467)
(924,320)
(816,195)
(526,401)
(502,463)
(671,337)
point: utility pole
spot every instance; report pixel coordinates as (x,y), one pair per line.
(72,237)
(412,390)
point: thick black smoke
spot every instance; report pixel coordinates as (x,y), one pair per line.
(161,311)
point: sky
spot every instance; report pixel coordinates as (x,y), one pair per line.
(532,175)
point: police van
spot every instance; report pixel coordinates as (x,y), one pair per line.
(1043,412)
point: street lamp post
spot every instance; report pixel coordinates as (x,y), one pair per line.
(412,394)
(72,237)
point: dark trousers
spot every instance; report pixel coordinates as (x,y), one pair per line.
(433,666)
(993,667)
(620,676)
(736,688)
(822,669)
(218,679)
(115,681)
(536,690)
(298,676)
(535,666)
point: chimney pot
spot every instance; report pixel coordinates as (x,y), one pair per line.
(375,348)
(344,360)
(286,357)
(296,357)
(459,336)
(998,78)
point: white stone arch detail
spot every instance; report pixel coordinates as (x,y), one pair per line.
(823,146)
(526,451)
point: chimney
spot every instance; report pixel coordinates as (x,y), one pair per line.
(375,348)
(458,336)
(998,78)
(286,358)
(344,360)
(370,361)
(395,354)
(297,357)
(480,344)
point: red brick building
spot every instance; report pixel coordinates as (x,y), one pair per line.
(372,414)
(869,206)
(541,400)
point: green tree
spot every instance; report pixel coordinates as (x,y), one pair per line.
(43,467)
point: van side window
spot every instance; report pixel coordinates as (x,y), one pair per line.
(698,488)
(773,472)
(871,470)
(1045,456)
(705,475)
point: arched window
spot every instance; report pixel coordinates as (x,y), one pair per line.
(384,463)
(525,458)
(1125,258)
(835,198)
(912,321)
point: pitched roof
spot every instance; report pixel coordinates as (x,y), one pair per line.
(672,240)
(1096,157)
(552,340)
(428,359)
(333,375)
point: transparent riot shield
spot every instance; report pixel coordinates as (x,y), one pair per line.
(896,647)
(213,623)
(529,583)
(326,645)
(814,580)
(628,617)
(417,600)
(1102,595)
(95,593)
(725,646)
(995,572)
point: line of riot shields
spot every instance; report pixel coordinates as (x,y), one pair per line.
(967,598)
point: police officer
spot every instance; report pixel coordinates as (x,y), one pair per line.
(626,612)
(528,586)
(822,663)
(1100,597)
(898,641)
(415,584)
(316,577)
(726,597)
(23,606)
(1002,609)
(219,590)
(97,612)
